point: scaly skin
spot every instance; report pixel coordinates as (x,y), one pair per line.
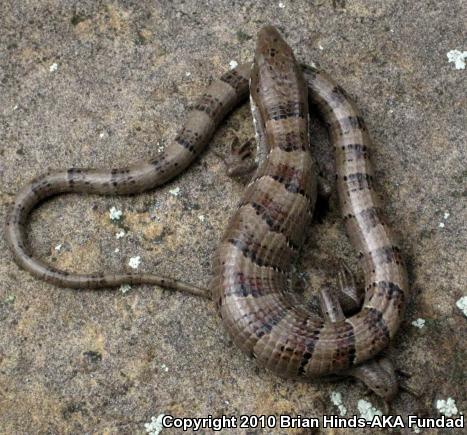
(265,234)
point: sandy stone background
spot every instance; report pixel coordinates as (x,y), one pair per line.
(105,83)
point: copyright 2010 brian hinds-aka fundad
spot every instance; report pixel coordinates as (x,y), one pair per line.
(224,422)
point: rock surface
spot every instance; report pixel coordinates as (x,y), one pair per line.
(105,83)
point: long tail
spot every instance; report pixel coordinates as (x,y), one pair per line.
(202,121)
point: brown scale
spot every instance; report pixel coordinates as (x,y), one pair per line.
(292,178)
(252,299)
(280,216)
(254,286)
(256,247)
(292,141)
(238,79)
(211,105)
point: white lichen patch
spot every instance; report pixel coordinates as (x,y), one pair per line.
(445,216)
(367,410)
(419,323)
(154,427)
(125,288)
(233,64)
(114,214)
(134,262)
(336,399)
(53,67)
(447,407)
(175,192)
(457,58)
(10,299)
(120,234)
(462,305)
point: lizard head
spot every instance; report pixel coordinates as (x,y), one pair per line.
(379,376)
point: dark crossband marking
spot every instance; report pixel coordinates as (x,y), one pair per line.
(120,177)
(119,171)
(292,141)
(292,179)
(337,96)
(160,163)
(358,181)
(272,218)
(272,212)
(251,249)
(292,186)
(368,218)
(389,290)
(210,105)
(254,286)
(289,109)
(384,255)
(188,139)
(250,317)
(269,321)
(355,152)
(348,124)
(73,171)
(235,80)
(376,324)
(41,185)
(344,355)
(310,343)
(73,175)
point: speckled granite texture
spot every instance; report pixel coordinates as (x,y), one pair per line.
(104,83)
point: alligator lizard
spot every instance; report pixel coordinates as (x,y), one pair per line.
(264,236)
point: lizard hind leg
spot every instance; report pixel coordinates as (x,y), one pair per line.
(349,295)
(240,161)
(377,374)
